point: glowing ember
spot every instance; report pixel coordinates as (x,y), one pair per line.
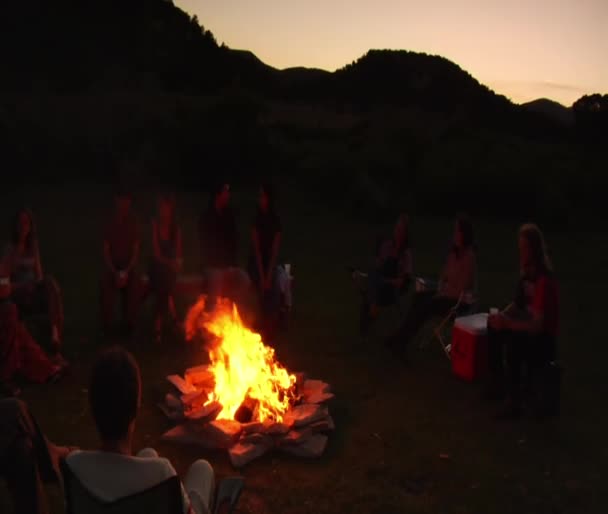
(242,365)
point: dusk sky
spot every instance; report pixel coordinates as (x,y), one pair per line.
(524,49)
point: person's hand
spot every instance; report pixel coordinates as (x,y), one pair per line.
(498,321)
(122,278)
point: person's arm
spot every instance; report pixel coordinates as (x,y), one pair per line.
(255,239)
(38,263)
(134,251)
(276,244)
(543,299)
(107,256)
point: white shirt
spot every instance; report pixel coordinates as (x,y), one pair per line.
(112,476)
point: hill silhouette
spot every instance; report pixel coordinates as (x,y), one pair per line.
(108,85)
(551,109)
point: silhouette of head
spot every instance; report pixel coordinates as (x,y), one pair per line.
(115,394)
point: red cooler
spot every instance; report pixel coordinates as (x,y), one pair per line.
(469,351)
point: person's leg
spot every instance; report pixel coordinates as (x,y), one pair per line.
(10,357)
(54,304)
(517,349)
(107,290)
(34,365)
(495,386)
(418,313)
(131,292)
(200,484)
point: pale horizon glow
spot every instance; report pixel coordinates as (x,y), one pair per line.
(524,49)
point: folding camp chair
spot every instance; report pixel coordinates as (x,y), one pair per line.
(164,498)
(466,305)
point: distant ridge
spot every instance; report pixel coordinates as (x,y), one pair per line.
(551,109)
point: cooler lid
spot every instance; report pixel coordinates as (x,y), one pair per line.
(474,324)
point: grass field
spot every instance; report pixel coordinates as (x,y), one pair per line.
(393,421)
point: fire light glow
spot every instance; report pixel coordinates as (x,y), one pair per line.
(242,365)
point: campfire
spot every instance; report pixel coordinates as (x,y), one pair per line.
(244,400)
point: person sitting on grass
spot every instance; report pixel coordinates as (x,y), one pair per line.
(114,472)
(121,243)
(27,458)
(527,329)
(20,355)
(457,279)
(32,291)
(166,262)
(265,244)
(390,275)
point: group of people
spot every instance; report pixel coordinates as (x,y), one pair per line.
(521,337)
(25,290)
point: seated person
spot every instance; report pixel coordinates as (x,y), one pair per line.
(27,458)
(265,245)
(20,355)
(32,291)
(390,275)
(527,329)
(457,278)
(218,239)
(165,263)
(121,243)
(113,472)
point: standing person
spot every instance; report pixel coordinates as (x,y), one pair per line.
(527,329)
(113,472)
(166,262)
(265,244)
(390,275)
(121,244)
(32,291)
(27,458)
(457,278)
(218,238)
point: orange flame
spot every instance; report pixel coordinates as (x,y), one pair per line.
(242,365)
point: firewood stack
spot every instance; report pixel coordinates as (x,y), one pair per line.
(302,433)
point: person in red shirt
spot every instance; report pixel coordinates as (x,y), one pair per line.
(121,243)
(526,331)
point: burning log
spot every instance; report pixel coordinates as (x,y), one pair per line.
(205,413)
(200,376)
(306,414)
(316,391)
(247,410)
(257,439)
(312,447)
(194,400)
(325,425)
(222,433)
(274,428)
(295,437)
(181,385)
(242,453)
(255,427)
